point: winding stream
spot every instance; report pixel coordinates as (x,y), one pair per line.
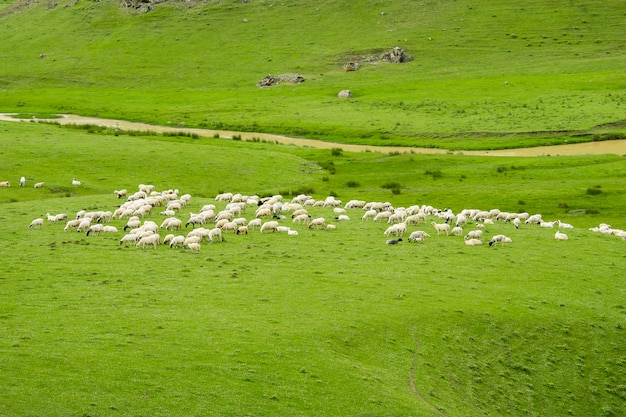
(617,147)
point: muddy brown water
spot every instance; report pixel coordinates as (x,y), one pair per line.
(617,147)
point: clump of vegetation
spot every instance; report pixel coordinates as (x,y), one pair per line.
(328,166)
(352,184)
(435,174)
(336,152)
(393,186)
(594,190)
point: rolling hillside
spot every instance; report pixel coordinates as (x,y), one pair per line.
(480,70)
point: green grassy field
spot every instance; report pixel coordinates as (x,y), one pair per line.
(329,322)
(480,69)
(325,323)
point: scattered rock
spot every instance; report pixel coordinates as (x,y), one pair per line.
(271,80)
(396,55)
(351,66)
(344,94)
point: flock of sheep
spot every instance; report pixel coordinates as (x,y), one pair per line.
(244,214)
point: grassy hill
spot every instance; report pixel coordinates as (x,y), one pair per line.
(327,323)
(480,69)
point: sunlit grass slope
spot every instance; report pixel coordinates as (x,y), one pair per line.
(481,67)
(327,323)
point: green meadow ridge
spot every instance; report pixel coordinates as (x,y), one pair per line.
(484,75)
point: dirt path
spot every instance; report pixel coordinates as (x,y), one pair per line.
(591,148)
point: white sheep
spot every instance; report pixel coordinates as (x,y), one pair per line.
(293,233)
(564,225)
(22,181)
(5,184)
(242,230)
(383,215)
(369,214)
(560,236)
(75,182)
(473,242)
(177,240)
(502,239)
(547,224)
(109,229)
(441,228)
(516,222)
(331,227)
(84,225)
(95,229)
(71,224)
(456,231)
(270,226)
(301,218)
(129,238)
(283,229)
(38,184)
(398,229)
(418,236)
(534,219)
(215,233)
(194,247)
(317,222)
(254,224)
(36,224)
(153,240)
(474,234)
(342,218)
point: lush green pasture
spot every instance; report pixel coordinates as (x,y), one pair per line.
(327,323)
(480,68)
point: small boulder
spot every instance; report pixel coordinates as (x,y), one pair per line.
(344,94)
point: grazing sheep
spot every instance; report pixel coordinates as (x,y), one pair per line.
(418,236)
(153,240)
(318,222)
(398,229)
(269,226)
(75,182)
(474,234)
(95,229)
(416,218)
(242,230)
(22,181)
(499,239)
(342,218)
(393,241)
(39,184)
(5,184)
(177,240)
(172,223)
(194,247)
(560,236)
(441,227)
(129,238)
(547,224)
(331,227)
(456,231)
(369,214)
(534,219)
(84,225)
(301,218)
(293,233)
(254,223)
(109,229)
(383,215)
(133,223)
(71,224)
(56,217)
(214,233)
(36,224)
(516,222)
(120,193)
(564,225)
(473,242)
